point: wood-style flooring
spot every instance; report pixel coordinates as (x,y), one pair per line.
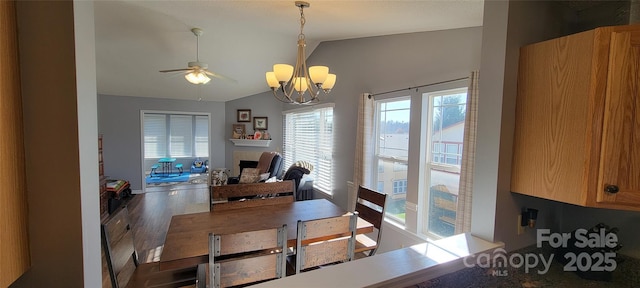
(151,212)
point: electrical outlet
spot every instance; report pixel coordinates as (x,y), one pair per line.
(520,227)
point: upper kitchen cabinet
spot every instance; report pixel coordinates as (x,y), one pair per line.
(577,130)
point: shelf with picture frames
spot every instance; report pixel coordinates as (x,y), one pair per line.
(251,142)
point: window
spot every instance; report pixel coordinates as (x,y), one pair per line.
(400,186)
(175,135)
(428,198)
(308,136)
(392,152)
(446,114)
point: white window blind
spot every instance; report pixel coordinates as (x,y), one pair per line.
(181,135)
(308,136)
(155,135)
(175,135)
(202,136)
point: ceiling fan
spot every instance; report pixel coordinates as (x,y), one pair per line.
(197,72)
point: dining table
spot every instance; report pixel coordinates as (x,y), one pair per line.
(187,240)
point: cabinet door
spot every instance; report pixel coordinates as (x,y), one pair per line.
(620,157)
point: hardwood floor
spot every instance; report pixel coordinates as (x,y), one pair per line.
(151,212)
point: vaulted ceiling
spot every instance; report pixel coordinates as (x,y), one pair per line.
(242,39)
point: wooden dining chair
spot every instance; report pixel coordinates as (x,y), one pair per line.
(325,241)
(245,257)
(226,197)
(122,258)
(370,207)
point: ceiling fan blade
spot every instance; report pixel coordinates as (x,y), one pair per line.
(176,70)
(199,67)
(219,76)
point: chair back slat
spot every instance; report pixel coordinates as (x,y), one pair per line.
(247,257)
(326,227)
(324,253)
(249,270)
(325,241)
(369,214)
(245,242)
(370,206)
(117,238)
(275,193)
(372,196)
(251,189)
(252,203)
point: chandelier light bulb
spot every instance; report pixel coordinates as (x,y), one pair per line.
(300,84)
(318,74)
(272,80)
(283,72)
(329,82)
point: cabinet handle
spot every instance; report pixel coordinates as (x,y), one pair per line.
(611,189)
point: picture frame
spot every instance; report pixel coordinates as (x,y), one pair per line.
(244,115)
(260,123)
(237,131)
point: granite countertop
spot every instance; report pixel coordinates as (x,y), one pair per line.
(626,274)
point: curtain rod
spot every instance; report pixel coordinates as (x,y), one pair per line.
(425,85)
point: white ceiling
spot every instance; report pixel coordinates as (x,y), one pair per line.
(242,39)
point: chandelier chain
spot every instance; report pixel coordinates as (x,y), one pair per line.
(302,22)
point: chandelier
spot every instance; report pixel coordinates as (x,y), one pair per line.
(289,84)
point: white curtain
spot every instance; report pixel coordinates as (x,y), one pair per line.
(364,144)
(463,213)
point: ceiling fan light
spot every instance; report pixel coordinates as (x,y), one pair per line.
(205,79)
(330,82)
(318,74)
(283,72)
(191,78)
(272,80)
(197,78)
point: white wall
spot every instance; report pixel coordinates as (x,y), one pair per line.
(88,139)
